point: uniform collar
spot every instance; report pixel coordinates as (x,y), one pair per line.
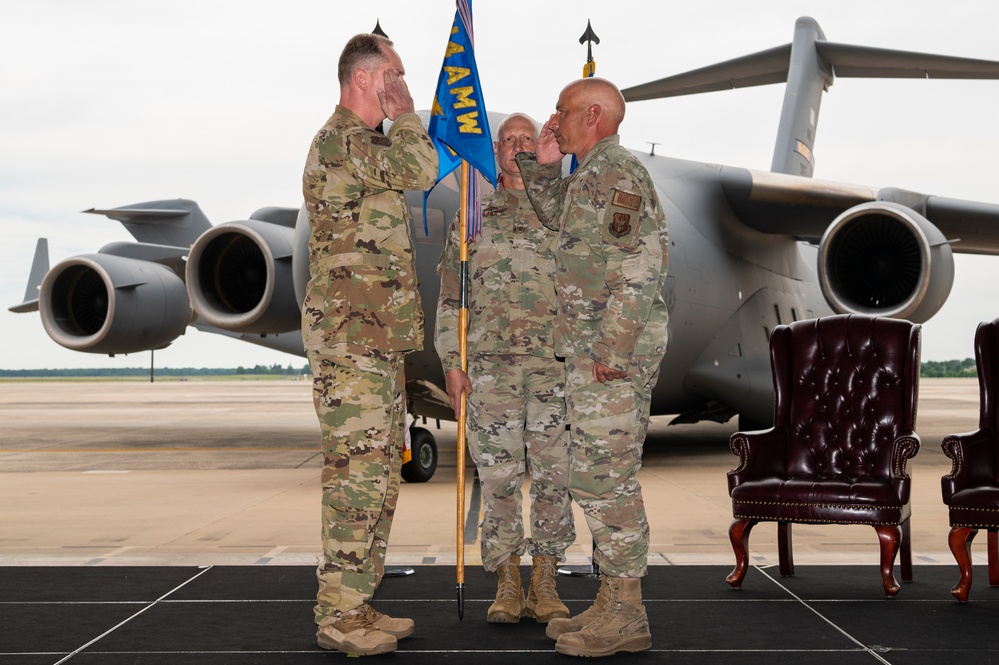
(600,146)
(345,112)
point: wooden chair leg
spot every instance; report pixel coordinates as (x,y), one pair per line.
(890,536)
(993,549)
(785,552)
(960,546)
(905,553)
(738,533)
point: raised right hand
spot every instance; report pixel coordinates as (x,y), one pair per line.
(546,148)
(394,97)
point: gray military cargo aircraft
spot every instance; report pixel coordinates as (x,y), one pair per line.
(749,250)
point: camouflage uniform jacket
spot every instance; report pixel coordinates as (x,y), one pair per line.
(611,254)
(511,299)
(363,285)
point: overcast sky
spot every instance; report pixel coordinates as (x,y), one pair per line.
(105,103)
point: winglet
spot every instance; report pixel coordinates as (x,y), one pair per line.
(39,266)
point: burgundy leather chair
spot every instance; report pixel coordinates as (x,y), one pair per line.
(971,489)
(844,419)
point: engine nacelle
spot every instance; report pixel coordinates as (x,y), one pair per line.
(102,303)
(885,259)
(239,278)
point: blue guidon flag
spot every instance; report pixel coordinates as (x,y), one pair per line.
(459,125)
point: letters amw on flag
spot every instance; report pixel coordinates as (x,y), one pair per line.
(459,124)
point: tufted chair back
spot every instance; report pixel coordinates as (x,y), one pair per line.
(845,389)
(987,362)
(971,489)
(844,418)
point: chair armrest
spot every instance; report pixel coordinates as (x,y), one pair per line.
(762,453)
(904,448)
(973,461)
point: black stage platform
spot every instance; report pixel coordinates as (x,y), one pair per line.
(263,614)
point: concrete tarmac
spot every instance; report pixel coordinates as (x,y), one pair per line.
(227,473)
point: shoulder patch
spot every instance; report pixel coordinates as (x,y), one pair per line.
(626,200)
(620,224)
(379,139)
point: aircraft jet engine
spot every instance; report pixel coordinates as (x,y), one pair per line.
(239,278)
(102,303)
(882,258)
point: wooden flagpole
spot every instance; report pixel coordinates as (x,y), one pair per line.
(463,350)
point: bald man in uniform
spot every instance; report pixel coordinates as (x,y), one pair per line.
(611,260)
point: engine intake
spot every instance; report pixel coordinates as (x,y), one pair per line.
(884,259)
(102,303)
(239,278)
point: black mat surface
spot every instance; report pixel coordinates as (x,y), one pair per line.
(263,614)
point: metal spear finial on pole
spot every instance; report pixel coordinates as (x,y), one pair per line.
(589,38)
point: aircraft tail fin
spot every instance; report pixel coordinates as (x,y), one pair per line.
(39,266)
(808,66)
(176,222)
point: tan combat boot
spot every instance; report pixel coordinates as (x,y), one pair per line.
(621,626)
(509,604)
(353,634)
(543,602)
(558,627)
(397,628)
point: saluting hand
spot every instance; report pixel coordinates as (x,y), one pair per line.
(394,97)
(546,148)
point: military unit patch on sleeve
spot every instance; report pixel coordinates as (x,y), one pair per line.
(621,202)
(626,200)
(620,224)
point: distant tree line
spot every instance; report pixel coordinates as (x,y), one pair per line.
(930,369)
(257,370)
(949,368)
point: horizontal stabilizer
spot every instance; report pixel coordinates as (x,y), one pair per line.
(851,61)
(763,68)
(847,61)
(809,65)
(39,266)
(176,222)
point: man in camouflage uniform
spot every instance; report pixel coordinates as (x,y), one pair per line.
(514,385)
(361,316)
(611,257)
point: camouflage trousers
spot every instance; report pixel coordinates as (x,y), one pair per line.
(608,423)
(360,403)
(516,425)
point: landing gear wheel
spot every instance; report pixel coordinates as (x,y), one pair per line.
(421,467)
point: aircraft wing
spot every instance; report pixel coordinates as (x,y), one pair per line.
(804,208)
(177,222)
